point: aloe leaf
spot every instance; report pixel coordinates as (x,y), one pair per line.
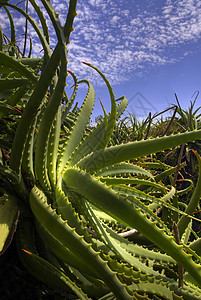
(68,260)
(16,65)
(124,211)
(64,254)
(112,241)
(167,285)
(42,38)
(68,26)
(186,234)
(17,182)
(104,216)
(7,109)
(31,110)
(115,181)
(78,129)
(157,288)
(196,246)
(39,267)
(28,156)
(68,213)
(88,145)
(9,214)
(111,121)
(12,29)
(33,62)
(69,238)
(115,154)
(54,17)
(133,191)
(156,202)
(124,168)
(42,19)
(186,190)
(53,145)
(69,104)
(63,33)
(188,292)
(49,274)
(145,210)
(167,173)
(41,159)
(153,165)
(139,251)
(101,143)
(6,84)
(16,96)
(158,284)
(184,220)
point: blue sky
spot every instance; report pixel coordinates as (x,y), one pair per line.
(148,50)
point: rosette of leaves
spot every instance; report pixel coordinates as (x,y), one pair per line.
(75,194)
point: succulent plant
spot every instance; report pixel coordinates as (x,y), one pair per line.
(75,194)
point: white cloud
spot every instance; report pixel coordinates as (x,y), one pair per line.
(123,38)
(95,2)
(4,22)
(115,19)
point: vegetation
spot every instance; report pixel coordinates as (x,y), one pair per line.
(92,217)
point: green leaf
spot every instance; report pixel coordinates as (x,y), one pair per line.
(75,243)
(16,65)
(124,168)
(39,267)
(125,212)
(193,203)
(78,129)
(9,213)
(49,274)
(115,154)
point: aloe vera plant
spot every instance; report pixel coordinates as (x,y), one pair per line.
(74,193)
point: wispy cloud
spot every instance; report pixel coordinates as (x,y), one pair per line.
(124,38)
